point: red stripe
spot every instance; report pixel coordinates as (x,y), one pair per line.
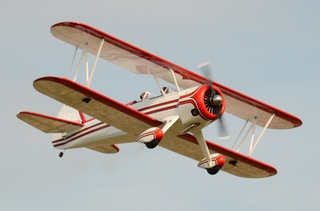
(78,132)
(157,105)
(146,134)
(91,131)
(161,109)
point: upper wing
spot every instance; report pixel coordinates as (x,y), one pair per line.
(139,61)
(95,104)
(236,163)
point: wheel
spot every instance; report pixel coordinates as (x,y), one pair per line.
(60,154)
(152,144)
(214,170)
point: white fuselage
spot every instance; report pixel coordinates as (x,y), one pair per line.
(95,132)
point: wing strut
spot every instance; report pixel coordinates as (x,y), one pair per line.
(175,79)
(84,55)
(95,63)
(79,64)
(158,83)
(252,129)
(73,59)
(157,76)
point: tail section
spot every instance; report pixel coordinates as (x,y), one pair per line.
(71,114)
(68,122)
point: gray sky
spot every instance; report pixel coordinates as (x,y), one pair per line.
(266,49)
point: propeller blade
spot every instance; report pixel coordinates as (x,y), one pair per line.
(223,132)
(205,69)
(222,129)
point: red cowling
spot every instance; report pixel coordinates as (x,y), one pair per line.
(205,108)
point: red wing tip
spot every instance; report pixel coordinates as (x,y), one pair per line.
(298,122)
(66,23)
(25,112)
(47,78)
(115,147)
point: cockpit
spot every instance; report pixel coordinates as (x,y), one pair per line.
(147,95)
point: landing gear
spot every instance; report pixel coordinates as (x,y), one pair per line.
(152,144)
(214,170)
(152,136)
(61,154)
(211,162)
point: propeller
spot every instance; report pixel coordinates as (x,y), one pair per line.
(213,101)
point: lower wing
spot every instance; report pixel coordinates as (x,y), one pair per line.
(95,104)
(236,163)
(123,117)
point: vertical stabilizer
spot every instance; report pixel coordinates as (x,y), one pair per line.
(71,114)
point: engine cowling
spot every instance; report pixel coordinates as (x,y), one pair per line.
(205,101)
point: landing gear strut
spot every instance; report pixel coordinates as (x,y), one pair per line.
(212,162)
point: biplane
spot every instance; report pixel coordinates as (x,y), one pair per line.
(173,120)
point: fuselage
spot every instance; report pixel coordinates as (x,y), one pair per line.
(187,104)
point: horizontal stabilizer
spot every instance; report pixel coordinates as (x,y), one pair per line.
(108,149)
(49,124)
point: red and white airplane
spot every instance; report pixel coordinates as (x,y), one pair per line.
(173,120)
